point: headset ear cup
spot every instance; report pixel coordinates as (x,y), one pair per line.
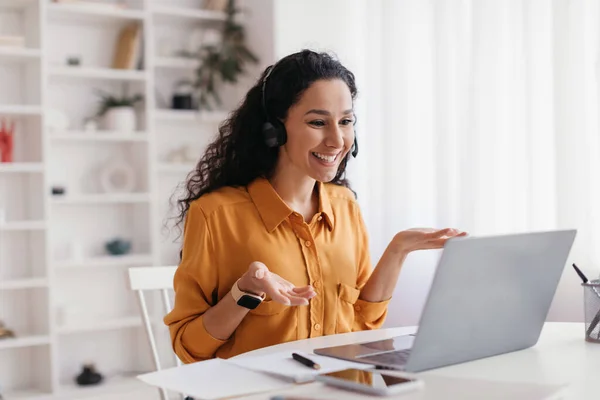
(274,135)
(282,133)
(270,134)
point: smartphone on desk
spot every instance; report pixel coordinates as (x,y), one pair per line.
(377,382)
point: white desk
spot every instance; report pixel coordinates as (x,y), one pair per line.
(561,356)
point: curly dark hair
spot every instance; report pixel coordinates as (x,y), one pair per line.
(239,154)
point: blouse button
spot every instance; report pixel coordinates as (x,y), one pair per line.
(308,243)
(357,307)
(316,284)
(320,218)
(317,327)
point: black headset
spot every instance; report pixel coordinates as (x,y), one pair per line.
(273,130)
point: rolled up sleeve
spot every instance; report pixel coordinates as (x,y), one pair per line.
(195,282)
(367,315)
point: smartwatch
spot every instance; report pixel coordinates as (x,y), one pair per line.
(245,299)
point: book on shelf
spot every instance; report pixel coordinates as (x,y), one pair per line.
(127,49)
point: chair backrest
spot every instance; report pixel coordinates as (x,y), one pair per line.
(143,279)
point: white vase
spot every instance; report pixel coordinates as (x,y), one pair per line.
(120,119)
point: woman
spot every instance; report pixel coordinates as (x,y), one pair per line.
(274,245)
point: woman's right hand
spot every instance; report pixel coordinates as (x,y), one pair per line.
(259,280)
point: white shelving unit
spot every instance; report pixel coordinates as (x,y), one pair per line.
(97,73)
(189,116)
(23,226)
(105,325)
(20,54)
(105,136)
(23,284)
(27,341)
(98,13)
(177,13)
(20,110)
(99,199)
(16,167)
(130,260)
(53,260)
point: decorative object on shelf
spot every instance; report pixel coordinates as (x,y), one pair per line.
(74,61)
(100,5)
(56,120)
(181,155)
(128,48)
(215,5)
(118,113)
(7,130)
(12,41)
(58,190)
(117,177)
(118,247)
(183,97)
(89,376)
(5,333)
(222,62)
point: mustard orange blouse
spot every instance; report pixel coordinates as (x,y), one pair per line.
(228,229)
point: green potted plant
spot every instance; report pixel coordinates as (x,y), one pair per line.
(118,112)
(221,60)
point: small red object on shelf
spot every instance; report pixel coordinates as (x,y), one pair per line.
(7,131)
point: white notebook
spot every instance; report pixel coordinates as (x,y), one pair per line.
(282,364)
(213,379)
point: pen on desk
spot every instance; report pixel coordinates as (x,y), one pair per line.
(305,361)
(581,275)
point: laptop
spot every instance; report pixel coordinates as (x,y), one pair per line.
(489,296)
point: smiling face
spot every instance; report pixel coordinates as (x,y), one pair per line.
(320,131)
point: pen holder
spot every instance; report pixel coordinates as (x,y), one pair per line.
(591,297)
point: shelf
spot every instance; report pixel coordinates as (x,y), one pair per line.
(25,341)
(167,12)
(125,387)
(17,3)
(190,116)
(20,110)
(30,283)
(91,13)
(175,168)
(23,226)
(97,73)
(19,54)
(176,63)
(21,167)
(128,260)
(102,325)
(100,136)
(27,394)
(111,198)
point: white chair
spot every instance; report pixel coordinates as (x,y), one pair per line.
(142,279)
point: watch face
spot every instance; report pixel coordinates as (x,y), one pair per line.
(249,302)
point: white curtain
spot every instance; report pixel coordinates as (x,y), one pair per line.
(482,115)
(475,114)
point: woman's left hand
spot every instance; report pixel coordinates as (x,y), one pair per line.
(423,239)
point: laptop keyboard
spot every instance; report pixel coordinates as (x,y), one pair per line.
(398,357)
